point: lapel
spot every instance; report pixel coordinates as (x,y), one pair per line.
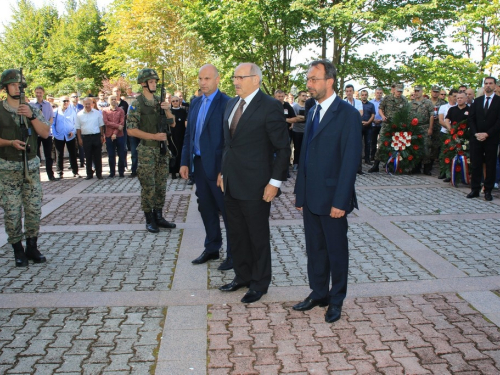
(229,108)
(196,110)
(249,111)
(327,117)
(493,104)
(215,103)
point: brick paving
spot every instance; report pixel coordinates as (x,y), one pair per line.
(423,297)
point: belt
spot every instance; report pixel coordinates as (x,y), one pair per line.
(90,135)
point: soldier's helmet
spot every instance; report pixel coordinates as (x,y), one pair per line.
(147,74)
(11,76)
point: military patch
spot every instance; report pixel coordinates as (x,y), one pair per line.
(131,108)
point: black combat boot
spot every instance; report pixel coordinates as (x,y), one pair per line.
(374,168)
(32,252)
(160,221)
(21,260)
(151,223)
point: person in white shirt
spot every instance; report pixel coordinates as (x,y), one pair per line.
(90,132)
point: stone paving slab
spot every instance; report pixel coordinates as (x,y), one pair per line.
(100,340)
(61,186)
(423,201)
(372,258)
(384,179)
(131,185)
(119,261)
(102,210)
(417,334)
(470,245)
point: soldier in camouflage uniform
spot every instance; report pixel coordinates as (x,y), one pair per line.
(17,191)
(423,109)
(387,108)
(436,130)
(142,122)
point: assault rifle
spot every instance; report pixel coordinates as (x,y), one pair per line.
(25,131)
(163,127)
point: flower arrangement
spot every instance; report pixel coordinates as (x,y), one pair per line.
(455,152)
(402,143)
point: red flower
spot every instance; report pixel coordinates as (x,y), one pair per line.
(461,153)
(454,136)
(420,136)
(415,147)
(462,126)
(453,123)
(410,134)
(396,138)
(404,125)
(452,131)
(414,122)
(387,134)
(393,133)
(460,133)
(452,148)
(400,170)
(445,151)
(459,145)
(447,141)
(390,153)
(410,157)
(394,126)
(386,143)
(458,168)
(447,160)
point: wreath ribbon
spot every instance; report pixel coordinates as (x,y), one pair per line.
(395,159)
(461,161)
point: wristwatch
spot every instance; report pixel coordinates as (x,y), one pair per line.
(31,118)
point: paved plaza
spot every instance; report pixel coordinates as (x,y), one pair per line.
(423,297)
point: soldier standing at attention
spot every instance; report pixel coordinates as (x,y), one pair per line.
(152,170)
(423,109)
(17,191)
(387,108)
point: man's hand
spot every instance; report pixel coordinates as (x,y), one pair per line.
(113,137)
(220,182)
(18,145)
(429,131)
(160,136)
(80,141)
(335,213)
(384,119)
(481,136)
(25,110)
(184,172)
(70,135)
(270,192)
(120,127)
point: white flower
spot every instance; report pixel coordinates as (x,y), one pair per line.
(403,147)
(464,147)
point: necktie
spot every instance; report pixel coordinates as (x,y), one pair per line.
(315,123)
(236,117)
(487,104)
(199,124)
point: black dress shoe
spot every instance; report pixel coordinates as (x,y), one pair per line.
(89,177)
(333,313)
(52,178)
(473,194)
(447,179)
(226,265)
(441,176)
(487,196)
(132,175)
(205,257)
(310,303)
(233,286)
(252,296)
(360,173)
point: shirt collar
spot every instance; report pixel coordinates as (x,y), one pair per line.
(250,97)
(211,96)
(327,102)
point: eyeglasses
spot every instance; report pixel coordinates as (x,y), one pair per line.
(175,101)
(74,96)
(239,78)
(314,79)
(442,94)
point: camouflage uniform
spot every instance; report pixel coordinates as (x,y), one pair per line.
(423,110)
(389,105)
(152,169)
(15,193)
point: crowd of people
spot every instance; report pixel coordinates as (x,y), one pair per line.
(237,151)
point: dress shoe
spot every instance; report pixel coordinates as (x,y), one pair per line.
(360,173)
(132,175)
(99,177)
(89,177)
(52,178)
(310,303)
(447,179)
(487,196)
(374,168)
(233,286)
(333,313)
(252,296)
(122,175)
(111,176)
(473,194)
(205,257)
(368,162)
(76,175)
(226,265)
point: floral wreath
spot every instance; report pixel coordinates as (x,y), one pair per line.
(455,154)
(402,143)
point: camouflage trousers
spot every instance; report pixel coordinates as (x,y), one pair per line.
(384,129)
(435,142)
(426,157)
(16,195)
(152,171)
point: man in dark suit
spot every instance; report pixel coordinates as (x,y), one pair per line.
(202,150)
(484,123)
(255,162)
(325,189)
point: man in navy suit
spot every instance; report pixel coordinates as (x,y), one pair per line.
(484,123)
(202,151)
(325,189)
(255,162)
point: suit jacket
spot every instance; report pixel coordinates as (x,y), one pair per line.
(479,123)
(259,149)
(332,160)
(211,138)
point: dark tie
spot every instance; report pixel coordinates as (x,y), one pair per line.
(487,104)
(315,123)
(199,123)
(236,117)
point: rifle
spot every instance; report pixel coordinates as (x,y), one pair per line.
(163,127)
(25,132)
